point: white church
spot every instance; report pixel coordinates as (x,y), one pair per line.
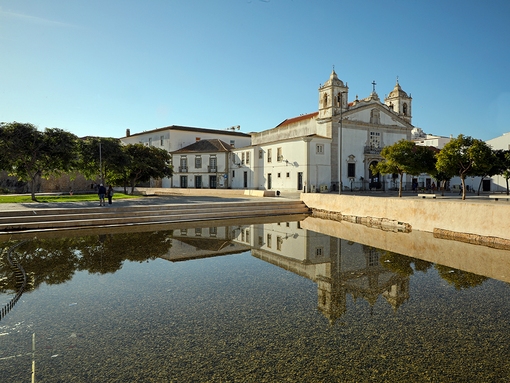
(321,151)
(302,153)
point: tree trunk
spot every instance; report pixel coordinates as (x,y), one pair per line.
(463,183)
(400,186)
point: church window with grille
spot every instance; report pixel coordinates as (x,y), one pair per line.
(375,139)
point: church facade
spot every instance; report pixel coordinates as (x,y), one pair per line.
(331,148)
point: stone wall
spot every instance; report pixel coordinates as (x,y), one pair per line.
(479,217)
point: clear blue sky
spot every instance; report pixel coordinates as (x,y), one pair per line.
(99,67)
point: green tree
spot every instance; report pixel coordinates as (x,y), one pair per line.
(464,156)
(405,157)
(28,153)
(503,165)
(146,162)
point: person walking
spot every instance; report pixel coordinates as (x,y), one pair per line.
(110,194)
(101,193)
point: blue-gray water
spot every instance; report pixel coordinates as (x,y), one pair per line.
(336,311)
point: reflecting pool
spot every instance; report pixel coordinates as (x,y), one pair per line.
(272,302)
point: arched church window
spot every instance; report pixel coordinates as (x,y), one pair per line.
(325,100)
(404,109)
(339,99)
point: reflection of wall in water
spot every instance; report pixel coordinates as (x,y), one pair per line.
(202,242)
(338,267)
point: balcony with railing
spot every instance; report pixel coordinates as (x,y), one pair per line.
(212,169)
(372,150)
(183,169)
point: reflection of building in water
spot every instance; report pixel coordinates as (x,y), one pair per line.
(202,243)
(337,266)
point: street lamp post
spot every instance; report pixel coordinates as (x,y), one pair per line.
(340,144)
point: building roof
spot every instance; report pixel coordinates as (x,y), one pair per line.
(210,145)
(192,129)
(297,119)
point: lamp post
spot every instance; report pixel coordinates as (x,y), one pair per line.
(340,144)
(100,164)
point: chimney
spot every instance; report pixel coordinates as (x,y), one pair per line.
(128,132)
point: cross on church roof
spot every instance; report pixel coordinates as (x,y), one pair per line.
(373,86)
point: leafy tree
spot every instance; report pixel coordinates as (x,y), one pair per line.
(464,156)
(146,162)
(496,166)
(102,156)
(28,153)
(405,157)
(503,165)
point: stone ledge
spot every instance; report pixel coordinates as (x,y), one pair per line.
(475,239)
(379,223)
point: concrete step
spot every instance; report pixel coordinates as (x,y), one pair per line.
(103,216)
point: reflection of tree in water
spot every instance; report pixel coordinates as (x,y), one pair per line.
(401,264)
(460,279)
(54,261)
(106,253)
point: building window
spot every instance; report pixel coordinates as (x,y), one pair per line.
(248,235)
(319,251)
(198,232)
(319,149)
(279,155)
(288,175)
(269,155)
(242,235)
(242,158)
(233,143)
(351,170)
(198,162)
(261,154)
(184,232)
(375,139)
(247,158)
(213,231)
(150,141)
(183,167)
(279,242)
(161,140)
(233,173)
(212,164)
(278,175)
(261,240)
(268,241)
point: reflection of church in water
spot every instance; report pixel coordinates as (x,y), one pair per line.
(339,268)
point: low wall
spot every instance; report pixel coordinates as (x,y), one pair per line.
(485,218)
(192,192)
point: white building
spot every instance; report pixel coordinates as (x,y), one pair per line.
(203,164)
(172,138)
(302,153)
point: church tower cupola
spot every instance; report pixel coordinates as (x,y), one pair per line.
(400,102)
(333,97)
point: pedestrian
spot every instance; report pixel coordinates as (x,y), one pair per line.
(110,194)
(101,193)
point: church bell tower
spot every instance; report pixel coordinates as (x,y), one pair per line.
(399,102)
(333,97)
